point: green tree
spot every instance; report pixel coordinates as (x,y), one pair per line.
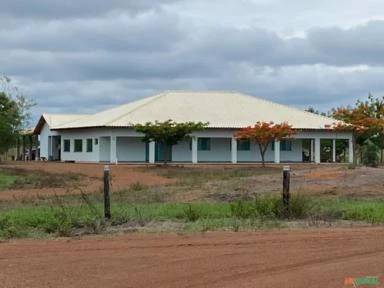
(10,122)
(168,133)
(14,113)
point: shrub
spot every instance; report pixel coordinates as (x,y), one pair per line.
(191,214)
(370,155)
(271,206)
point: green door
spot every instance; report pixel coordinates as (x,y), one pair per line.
(146,152)
(159,152)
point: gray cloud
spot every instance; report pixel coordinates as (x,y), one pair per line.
(95,54)
(48,9)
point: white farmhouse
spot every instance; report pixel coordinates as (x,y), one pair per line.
(108,136)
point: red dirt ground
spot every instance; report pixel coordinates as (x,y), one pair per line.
(297,259)
(327,179)
(122,177)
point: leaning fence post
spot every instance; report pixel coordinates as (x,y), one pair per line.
(286,195)
(107,203)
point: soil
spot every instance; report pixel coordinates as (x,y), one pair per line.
(122,176)
(296,258)
(326,179)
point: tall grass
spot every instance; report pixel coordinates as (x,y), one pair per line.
(271,206)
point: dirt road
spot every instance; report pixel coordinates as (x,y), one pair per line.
(301,258)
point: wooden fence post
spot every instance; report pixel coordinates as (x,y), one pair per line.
(286,194)
(107,203)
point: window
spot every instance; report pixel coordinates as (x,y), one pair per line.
(96,141)
(285,145)
(78,145)
(89,145)
(243,145)
(204,144)
(67,145)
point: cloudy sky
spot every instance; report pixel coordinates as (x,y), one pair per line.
(87,55)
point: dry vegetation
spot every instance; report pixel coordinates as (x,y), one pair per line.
(192,198)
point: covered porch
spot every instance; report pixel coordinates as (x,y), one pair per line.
(204,149)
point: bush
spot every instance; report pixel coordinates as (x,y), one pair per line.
(191,214)
(271,206)
(370,155)
(8,230)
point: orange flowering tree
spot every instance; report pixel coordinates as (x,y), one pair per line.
(360,122)
(264,133)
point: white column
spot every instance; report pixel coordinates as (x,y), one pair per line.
(113,157)
(50,147)
(277,151)
(317,150)
(350,151)
(151,152)
(334,150)
(234,150)
(194,150)
(312,150)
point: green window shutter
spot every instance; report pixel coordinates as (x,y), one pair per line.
(243,145)
(67,145)
(204,144)
(78,145)
(286,145)
(89,145)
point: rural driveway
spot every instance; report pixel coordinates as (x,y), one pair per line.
(298,258)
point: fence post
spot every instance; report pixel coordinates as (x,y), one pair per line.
(286,183)
(107,203)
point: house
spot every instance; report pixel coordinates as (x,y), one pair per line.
(108,136)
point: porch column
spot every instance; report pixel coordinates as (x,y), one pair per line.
(50,154)
(151,152)
(113,157)
(317,150)
(277,151)
(350,151)
(312,150)
(234,150)
(334,150)
(194,150)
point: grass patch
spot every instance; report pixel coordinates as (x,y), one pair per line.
(7,180)
(370,211)
(23,179)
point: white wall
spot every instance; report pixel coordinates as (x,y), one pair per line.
(130,149)
(285,156)
(220,151)
(84,155)
(181,152)
(44,140)
(104,149)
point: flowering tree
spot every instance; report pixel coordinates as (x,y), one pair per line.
(168,133)
(360,122)
(264,133)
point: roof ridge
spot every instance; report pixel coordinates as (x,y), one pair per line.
(160,95)
(202,91)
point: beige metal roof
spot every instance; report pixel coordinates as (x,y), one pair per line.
(55,120)
(220,109)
